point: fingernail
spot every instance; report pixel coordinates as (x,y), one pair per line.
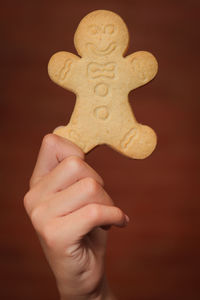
(127,219)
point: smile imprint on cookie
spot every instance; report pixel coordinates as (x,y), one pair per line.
(107,50)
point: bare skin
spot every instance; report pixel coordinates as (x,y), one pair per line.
(70,211)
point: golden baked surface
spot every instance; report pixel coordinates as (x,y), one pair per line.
(102,78)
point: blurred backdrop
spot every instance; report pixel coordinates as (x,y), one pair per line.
(157,256)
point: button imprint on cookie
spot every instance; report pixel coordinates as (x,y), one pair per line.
(101,112)
(101,89)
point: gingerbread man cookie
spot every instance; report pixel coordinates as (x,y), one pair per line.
(102,79)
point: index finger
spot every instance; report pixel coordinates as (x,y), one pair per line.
(53,150)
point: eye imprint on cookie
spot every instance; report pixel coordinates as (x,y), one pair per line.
(109,29)
(94,29)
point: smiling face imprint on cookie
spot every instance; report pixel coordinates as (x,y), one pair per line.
(101,33)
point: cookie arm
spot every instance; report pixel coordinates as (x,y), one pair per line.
(62,69)
(143,67)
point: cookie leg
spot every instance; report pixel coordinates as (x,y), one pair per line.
(138,142)
(71,133)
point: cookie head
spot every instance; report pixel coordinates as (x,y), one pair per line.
(101,33)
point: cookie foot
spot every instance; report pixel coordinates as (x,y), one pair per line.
(139,142)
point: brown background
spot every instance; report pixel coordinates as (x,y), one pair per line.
(157,256)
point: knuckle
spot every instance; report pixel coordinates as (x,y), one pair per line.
(27,201)
(74,162)
(91,186)
(36,215)
(49,140)
(101,181)
(49,236)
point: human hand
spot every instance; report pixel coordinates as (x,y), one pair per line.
(70,211)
